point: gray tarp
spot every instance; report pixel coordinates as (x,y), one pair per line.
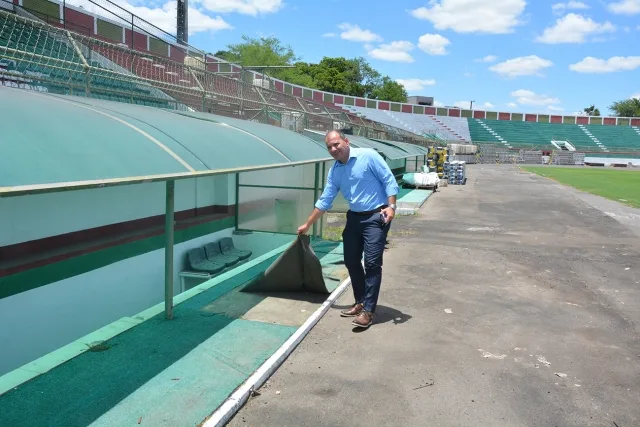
(298,269)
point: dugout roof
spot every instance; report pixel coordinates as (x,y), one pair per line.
(390,149)
(48,138)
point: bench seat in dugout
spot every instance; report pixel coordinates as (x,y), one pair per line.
(197,260)
(214,253)
(228,248)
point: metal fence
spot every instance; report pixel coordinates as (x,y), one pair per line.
(43,52)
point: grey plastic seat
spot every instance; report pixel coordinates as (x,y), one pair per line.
(198,261)
(227,247)
(215,254)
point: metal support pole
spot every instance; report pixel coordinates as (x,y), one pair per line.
(168,251)
(316,184)
(237,212)
(322,219)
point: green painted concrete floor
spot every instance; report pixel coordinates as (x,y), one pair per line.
(171,373)
(411,195)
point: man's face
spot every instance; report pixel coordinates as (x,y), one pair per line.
(338,147)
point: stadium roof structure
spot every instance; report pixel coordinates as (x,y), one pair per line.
(392,150)
(409,148)
(86,142)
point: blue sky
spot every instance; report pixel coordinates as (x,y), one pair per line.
(510,55)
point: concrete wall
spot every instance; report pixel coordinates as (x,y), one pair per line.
(38,216)
(52,315)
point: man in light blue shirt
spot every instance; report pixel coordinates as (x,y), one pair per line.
(367,183)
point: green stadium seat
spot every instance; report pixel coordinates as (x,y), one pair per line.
(197,261)
(214,253)
(227,247)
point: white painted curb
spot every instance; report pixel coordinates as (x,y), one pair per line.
(234,402)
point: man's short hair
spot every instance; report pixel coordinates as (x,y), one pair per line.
(338,131)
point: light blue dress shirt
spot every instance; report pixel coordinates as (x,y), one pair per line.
(365,181)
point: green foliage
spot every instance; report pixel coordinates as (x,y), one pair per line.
(390,90)
(262,51)
(592,111)
(626,108)
(353,77)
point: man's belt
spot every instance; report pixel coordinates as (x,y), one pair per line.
(365,213)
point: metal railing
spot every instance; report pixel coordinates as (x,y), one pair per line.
(48,54)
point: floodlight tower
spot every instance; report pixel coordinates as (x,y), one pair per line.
(183,22)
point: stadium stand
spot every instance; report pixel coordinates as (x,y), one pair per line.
(433,127)
(53,64)
(615,138)
(114,55)
(36,53)
(552,136)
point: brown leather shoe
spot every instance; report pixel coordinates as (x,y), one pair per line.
(363,320)
(353,311)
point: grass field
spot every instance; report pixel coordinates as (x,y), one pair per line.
(620,185)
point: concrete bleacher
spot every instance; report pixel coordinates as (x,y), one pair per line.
(39,70)
(436,127)
(481,132)
(514,134)
(614,138)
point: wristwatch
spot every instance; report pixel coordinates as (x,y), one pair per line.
(392,206)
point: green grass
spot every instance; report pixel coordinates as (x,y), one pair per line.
(620,185)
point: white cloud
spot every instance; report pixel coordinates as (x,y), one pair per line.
(415,84)
(522,66)
(433,44)
(573,28)
(163,17)
(611,65)
(527,97)
(488,58)
(462,104)
(488,105)
(472,16)
(329,35)
(397,51)
(245,7)
(625,7)
(468,74)
(512,105)
(560,7)
(438,104)
(356,34)
(636,96)
(554,108)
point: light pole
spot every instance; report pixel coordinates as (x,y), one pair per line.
(471,105)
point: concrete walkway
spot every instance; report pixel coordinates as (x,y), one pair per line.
(544,294)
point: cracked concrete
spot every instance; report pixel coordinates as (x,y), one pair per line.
(540,283)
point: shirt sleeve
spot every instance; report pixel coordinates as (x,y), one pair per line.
(382,171)
(325,202)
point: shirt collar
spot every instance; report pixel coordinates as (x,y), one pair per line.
(353,153)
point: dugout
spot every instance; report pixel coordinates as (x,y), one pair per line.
(102,202)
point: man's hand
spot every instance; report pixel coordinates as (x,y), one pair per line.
(303,228)
(388,214)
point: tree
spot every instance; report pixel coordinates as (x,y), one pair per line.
(626,108)
(390,90)
(262,51)
(592,111)
(352,77)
